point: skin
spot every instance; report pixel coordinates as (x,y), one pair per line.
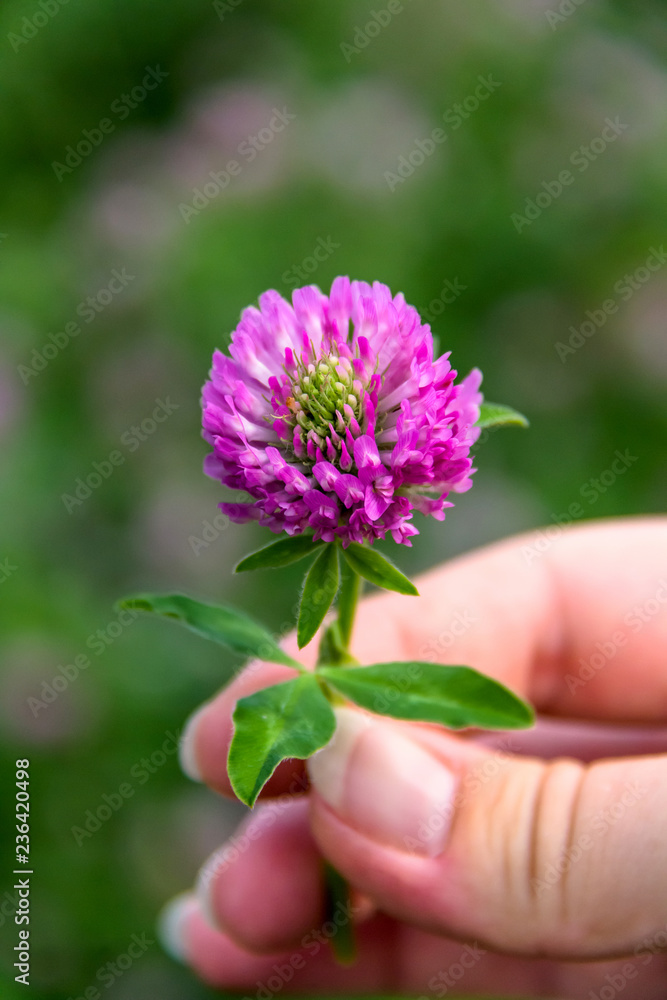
(590,780)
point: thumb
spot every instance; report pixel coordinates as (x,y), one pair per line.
(552,858)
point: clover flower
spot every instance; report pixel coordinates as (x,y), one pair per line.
(334,416)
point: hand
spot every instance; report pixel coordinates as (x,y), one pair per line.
(477,867)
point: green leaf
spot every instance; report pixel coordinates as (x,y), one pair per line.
(217,622)
(455,697)
(281,553)
(319,590)
(288,720)
(495,415)
(351,585)
(377,569)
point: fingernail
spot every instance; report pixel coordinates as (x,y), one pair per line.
(187,746)
(171,925)
(328,767)
(385,785)
(208,873)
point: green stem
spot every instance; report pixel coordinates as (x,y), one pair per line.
(335,651)
(337,893)
(334,648)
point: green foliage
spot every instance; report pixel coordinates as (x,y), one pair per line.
(456,697)
(293,719)
(284,552)
(59,240)
(496,415)
(319,589)
(338,898)
(221,624)
(333,650)
(350,591)
(377,569)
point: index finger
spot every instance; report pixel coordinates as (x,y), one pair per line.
(574,620)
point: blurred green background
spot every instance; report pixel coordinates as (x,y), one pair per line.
(503,291)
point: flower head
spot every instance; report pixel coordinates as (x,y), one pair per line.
(333,415)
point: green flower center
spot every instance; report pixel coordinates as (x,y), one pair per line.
(326,398)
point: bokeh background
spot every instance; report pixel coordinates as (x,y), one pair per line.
(503,291)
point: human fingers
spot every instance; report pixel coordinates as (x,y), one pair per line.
(579,629)
(532,857)
(395,958)
(265,887)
